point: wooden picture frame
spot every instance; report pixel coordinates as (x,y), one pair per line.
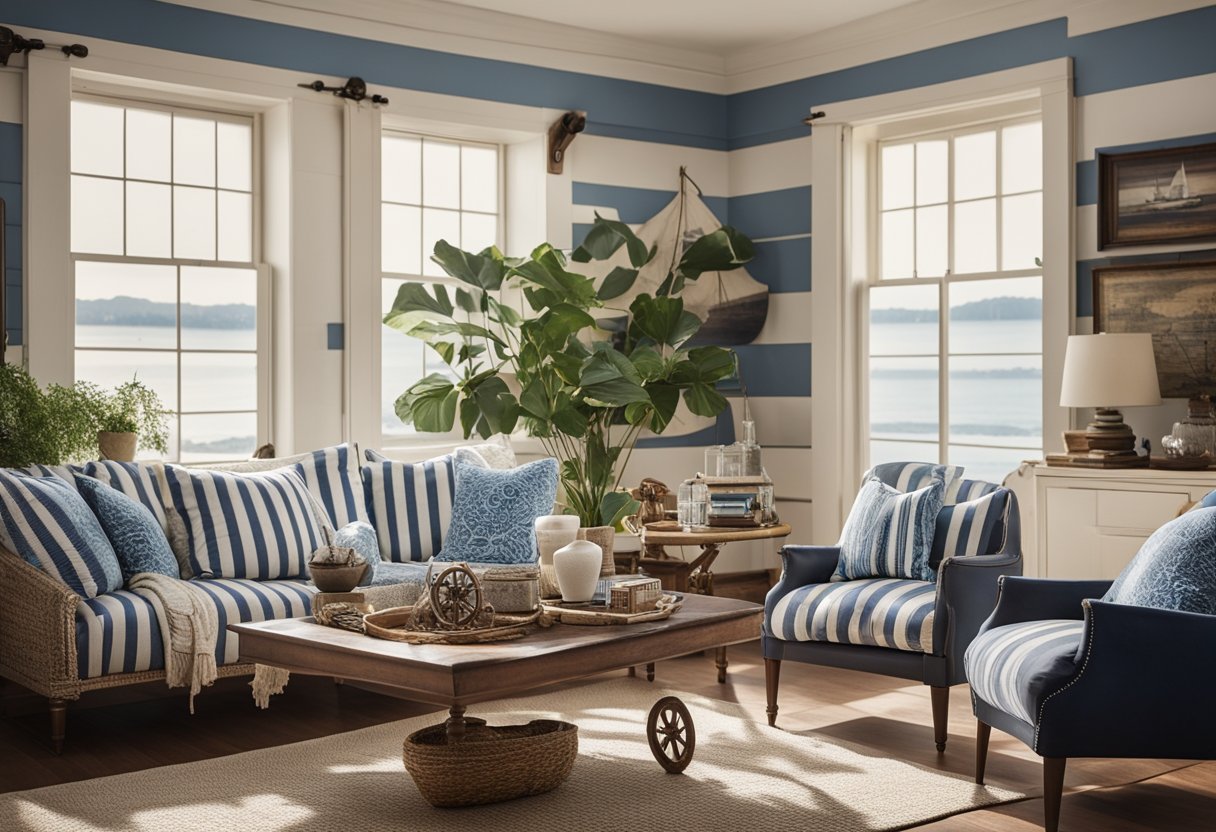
(1154,197)
(1176,304)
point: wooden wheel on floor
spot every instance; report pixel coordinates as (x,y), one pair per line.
(456,597)
(671,734)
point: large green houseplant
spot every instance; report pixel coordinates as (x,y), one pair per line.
(531,340)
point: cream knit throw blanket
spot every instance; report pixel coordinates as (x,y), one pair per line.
(188,626)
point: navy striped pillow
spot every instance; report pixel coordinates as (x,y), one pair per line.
(410,505)
(911,476)
(48,523)
(137,480)
(332,475)
(259,525)
(976,527)
(888,534)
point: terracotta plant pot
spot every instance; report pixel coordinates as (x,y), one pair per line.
(119,447)
(601,536)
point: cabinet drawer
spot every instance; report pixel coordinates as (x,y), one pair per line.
(1138,512)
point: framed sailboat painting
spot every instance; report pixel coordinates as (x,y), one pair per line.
(1157,197)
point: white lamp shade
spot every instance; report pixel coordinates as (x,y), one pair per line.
(1110,370)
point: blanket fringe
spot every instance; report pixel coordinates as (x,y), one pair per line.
(267,682)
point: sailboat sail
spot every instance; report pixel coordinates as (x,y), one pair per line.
(1176,197)
(1178,186)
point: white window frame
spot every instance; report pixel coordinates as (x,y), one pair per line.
(842,141)
(264,337)
(910,133)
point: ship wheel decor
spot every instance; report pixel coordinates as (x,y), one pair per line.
(671,734)
(456,598)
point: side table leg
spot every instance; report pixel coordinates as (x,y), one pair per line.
(455,723)
(650,672)
(721,663)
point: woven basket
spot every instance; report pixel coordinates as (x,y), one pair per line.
(490,764)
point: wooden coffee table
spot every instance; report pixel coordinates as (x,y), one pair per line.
(458,676)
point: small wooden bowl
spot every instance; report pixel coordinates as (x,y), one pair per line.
(329,577)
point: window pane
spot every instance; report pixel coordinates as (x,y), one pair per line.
(235,240)
(219,308)
(932,242)
(896,176)
(193,151)
(96,139)
(149,145)
(110,368)
(903,320)
(881,452)
(126,305)
(149,220)
(401,169)
(996,316)
(904,398)
(897,255)
(997,400)
(194,223)
(234,155)
(401,364)
(401,239)
(975,165)
(1022,158)
(441,174)
(479,179)
(219,437)
(975,237)
(1021,230)
(219,381)
(478,231)
(96,215)
(932,179)
(990,464)
(437,225)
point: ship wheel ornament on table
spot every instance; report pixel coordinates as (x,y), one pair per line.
(456,598)
(672,736)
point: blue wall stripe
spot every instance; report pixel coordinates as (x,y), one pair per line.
(636,205)
(772,213)
(11,142)
(722,432)
(1147,52)
(776,369)
(1087,171)
(335,336)
(1085,271)
(783,265)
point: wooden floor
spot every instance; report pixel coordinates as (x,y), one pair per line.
(887,715)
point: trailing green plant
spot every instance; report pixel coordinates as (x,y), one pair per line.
(525,347)
(133,407)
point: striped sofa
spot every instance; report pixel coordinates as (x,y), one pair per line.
(912,629)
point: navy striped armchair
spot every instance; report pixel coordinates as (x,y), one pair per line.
(910,629)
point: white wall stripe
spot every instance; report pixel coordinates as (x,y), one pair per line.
(1147,113)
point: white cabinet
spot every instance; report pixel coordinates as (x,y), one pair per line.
(1091,523)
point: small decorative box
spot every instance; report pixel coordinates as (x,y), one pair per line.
(605,584)
(639,595)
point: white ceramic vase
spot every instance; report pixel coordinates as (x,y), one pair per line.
(553,531)
(578,570)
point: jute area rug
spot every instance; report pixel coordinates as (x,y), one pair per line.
(744,775)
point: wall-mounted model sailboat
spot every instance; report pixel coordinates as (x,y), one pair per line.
(1176,197)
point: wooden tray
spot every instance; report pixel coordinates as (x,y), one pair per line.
(555,612)
(390,625)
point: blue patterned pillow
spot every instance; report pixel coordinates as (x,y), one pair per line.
(1208,501)
(361,537)
(332,475)
(1175,569)
(138,540)
(494,511)
(138,480)
(46,522)
(976,527)
(410,505)
(889,534)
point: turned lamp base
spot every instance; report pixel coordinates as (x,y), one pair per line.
(1112,442)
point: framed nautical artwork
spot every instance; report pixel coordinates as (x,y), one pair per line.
(1176,304)
(1155,197)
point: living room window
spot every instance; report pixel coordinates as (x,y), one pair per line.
(431,189)
(165,248)
(954,303)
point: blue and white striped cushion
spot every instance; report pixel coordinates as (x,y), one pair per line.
(410,506)
(239,601)
(972,490)
(117,633)
(913,476)
(888,534)
(332,475)
(1015,666)
(976,527)
(879,612)
(259,526)
(138,480)
(67,473)
(46,521)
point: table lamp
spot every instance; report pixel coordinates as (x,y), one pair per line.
(1106,372)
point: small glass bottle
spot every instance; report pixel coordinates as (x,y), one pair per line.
(1197,432)
(750,451)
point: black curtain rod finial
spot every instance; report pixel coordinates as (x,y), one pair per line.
(11,42)
(810,120)
(355,89)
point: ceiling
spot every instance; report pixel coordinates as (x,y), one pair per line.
(719,26)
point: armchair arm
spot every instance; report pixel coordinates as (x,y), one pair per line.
(1039,599)
(801,565)
(37,629)
(967,589)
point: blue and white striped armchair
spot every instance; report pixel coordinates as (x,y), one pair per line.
(910,629)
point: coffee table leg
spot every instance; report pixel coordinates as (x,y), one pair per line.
(455,723)
(720,661)
(650,672)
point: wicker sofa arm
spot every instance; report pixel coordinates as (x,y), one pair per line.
(37,629)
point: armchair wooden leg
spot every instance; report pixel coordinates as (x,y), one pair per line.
(982,732)
(772,674)
(1053,791)
(941,710)
(59,722)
